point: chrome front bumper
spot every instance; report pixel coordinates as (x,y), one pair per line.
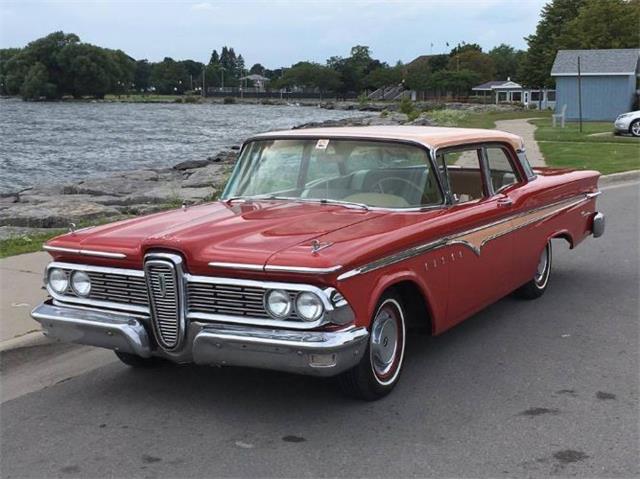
(319,353)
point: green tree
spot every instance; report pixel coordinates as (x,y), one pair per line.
(604,24)
(6,54)
(457,82)
(354,69)
(535,68)
(169,77)
(475,61)
(310,75)
(418,76)
(438,62)
(215,58)
(36,83)
(257,69)
(142,76)
(506,60)
(384,76)
(465,47)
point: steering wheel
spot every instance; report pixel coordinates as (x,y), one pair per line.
(379,185)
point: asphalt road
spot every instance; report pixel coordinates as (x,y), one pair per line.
(532,389)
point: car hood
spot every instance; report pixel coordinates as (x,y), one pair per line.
(247,233)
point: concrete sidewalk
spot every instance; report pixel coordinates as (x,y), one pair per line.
(20,291)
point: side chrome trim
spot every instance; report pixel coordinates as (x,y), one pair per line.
(594,194)
(274,268)
(293,269)
(468,238)
(80,251)
(238,266)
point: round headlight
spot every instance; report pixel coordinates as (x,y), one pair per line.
(309,306)
(278,303)
(58,280)
(80,283)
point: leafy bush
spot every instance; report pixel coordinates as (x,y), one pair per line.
(384,113)
(411,116)
(448,118)
(406,106)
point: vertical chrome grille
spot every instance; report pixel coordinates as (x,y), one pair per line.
(165,293)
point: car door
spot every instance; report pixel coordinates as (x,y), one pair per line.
(479,255)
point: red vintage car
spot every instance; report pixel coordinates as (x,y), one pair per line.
(326,247)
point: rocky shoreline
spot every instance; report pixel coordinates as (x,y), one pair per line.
(99,199)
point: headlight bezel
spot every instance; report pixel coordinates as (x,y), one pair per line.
(51,282)
(72,283)
(320,306)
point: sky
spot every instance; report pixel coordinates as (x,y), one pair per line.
(273,32)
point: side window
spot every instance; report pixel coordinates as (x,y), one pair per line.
(462,173)
(500,169)
(526,166)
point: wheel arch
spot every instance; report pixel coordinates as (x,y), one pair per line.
(415,297)
(564,235)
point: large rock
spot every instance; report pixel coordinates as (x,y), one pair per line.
(211,175)
(121,183)
(57,212)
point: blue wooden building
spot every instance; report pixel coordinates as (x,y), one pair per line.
(609,82)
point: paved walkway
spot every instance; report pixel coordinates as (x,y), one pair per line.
(519,127)
(523,128)
(20,291)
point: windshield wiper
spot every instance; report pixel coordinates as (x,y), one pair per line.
(344,203)
(324,201)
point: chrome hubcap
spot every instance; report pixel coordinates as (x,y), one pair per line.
(635,128)
(384,341)
(542,266)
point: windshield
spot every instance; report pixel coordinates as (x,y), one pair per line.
(367,173)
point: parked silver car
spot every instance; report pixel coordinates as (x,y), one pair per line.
(628,123)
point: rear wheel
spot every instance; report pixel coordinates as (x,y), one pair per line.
(136,361)
(379,369)
(537,286)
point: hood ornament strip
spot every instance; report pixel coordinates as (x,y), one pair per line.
(80,251)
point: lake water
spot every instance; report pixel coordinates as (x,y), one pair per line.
(62,141)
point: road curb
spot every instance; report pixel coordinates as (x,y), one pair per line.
(630,176)
(31,339)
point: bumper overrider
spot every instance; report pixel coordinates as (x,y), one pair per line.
(320,353)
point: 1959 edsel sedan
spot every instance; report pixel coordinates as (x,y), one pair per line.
(326,246)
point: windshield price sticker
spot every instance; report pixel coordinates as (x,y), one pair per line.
(322,144)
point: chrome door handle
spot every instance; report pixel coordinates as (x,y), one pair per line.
(505,202)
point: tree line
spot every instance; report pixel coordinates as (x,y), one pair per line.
(61,65)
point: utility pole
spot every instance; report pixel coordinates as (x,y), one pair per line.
(579,94)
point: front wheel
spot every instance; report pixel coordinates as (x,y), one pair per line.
(379,369)
(538,284)
(634,129)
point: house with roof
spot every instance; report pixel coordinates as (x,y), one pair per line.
(607,84)
(508,91)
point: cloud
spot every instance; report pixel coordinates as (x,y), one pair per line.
(202,7)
